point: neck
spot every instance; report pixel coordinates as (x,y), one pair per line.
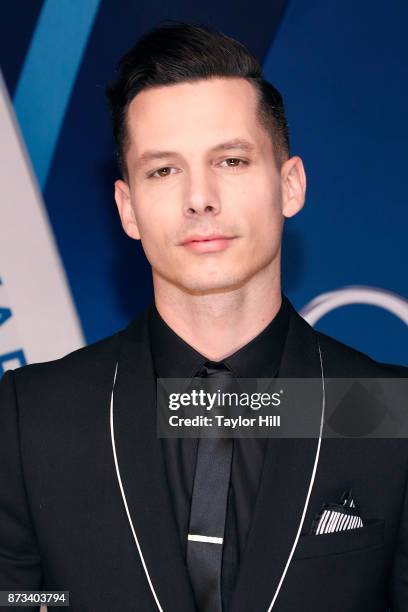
(217,325)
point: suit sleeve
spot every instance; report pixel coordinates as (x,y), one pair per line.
(20,566)
(399,581)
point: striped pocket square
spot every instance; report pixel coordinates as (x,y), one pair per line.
(337,517)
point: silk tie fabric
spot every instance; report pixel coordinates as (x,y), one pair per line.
(208,514)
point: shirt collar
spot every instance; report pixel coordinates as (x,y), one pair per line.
(173,357)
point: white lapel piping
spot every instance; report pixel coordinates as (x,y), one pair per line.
(146,571)
(316,461)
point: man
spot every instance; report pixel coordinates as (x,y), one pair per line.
(91,499)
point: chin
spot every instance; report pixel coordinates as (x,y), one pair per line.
(198,284)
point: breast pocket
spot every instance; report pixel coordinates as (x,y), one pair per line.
(361,539)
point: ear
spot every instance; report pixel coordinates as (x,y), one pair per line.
(126,212)
(293,182)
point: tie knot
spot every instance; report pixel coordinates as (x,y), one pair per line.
(214,369)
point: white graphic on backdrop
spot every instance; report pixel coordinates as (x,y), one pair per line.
(374,296)
(38,319)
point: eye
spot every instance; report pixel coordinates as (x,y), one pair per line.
(161,172)
(236,162)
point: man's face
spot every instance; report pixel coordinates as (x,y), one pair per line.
(200,165)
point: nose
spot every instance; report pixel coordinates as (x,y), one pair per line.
(201,195)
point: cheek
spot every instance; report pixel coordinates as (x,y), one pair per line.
(156,221)
(262,206)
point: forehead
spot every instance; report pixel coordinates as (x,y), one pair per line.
(211,109)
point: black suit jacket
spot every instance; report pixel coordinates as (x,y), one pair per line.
(85,505)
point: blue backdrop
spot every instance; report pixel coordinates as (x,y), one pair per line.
(342,69)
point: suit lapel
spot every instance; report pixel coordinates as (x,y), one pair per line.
(282,492)
(141,468)
(283,488)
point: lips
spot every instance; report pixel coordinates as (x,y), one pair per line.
(212,243)
(199,238)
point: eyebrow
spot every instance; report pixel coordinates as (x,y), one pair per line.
(235,143)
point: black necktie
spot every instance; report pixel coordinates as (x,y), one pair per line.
(205,542)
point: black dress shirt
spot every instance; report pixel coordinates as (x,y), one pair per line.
(259,358)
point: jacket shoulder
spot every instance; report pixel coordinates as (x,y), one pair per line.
(344,360)
(91,365)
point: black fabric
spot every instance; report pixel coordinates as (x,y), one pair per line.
(73,533)
(259,358)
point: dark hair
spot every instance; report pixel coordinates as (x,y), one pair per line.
(176,52)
